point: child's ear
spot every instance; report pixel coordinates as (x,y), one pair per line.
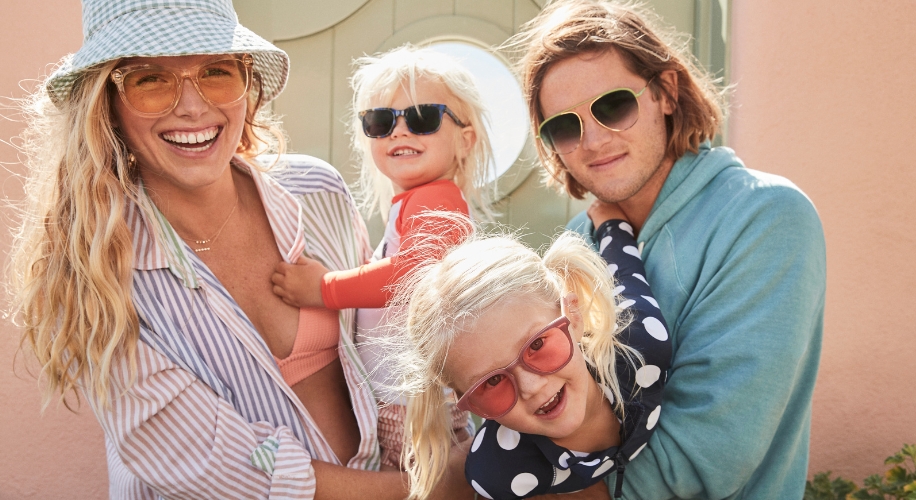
(571,310)
(466,141)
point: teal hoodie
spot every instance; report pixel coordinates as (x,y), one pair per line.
(737,262)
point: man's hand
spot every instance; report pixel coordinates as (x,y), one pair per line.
(453,485)
(299,284)
(600,212)
(597,491)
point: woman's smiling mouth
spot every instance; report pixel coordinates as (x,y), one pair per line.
(200,140)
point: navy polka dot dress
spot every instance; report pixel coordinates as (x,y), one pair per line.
(505,464)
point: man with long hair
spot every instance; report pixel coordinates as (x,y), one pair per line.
(736,256)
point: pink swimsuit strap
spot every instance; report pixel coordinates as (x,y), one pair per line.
(315,347)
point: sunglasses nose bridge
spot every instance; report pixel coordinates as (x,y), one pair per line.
(399,126)
(180,90)
(593,134)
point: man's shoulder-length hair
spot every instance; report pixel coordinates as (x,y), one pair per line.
(566,28)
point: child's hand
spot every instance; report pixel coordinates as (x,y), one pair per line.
(299,284)
(600,212)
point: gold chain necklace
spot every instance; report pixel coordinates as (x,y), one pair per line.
(213,238)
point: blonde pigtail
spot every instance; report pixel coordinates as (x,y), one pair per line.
(429,436)
(584,273)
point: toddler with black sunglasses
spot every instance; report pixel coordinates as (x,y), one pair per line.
(569,399)
(418,130)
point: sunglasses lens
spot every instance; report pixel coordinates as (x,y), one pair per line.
(154,90)
(561,133)
(378,122)
(549,352)
(492,398)
(150,90)
(223,82)
(423,119)
(617,111)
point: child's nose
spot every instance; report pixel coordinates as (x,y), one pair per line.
(530,384)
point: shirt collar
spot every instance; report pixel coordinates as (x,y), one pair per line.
(158,246)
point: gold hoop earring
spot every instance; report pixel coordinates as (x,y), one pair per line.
(131,160)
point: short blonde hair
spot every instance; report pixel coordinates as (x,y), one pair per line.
(71,267)
(566,28)
(377,78)
(446,298)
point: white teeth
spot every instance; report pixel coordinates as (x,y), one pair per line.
(404,152)
(540,411)
(191,137)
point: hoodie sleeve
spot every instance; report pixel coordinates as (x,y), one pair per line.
(746,348)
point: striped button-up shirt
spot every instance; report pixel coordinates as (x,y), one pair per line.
(209,415)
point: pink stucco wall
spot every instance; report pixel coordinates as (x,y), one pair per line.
(825,96)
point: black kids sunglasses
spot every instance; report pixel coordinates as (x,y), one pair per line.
(421,119)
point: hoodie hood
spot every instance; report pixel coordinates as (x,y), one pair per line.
(689,175)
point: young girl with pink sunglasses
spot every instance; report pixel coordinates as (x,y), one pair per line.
(566,364)
(418,130)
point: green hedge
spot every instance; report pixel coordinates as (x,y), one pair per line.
(899,482)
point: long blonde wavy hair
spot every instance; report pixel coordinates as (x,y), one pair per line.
(376,79)
(71,264)
(446,298)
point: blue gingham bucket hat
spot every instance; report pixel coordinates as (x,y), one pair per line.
(113,29)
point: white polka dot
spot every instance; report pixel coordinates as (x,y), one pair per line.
(480,490)
(591,463)
(626,227)
(655,328)
(478,440)
(617,291)
(640,278)
(524,483)
(650,300)
(630,249)
(604,243)
(647,375)
(653,418)
(559,475)
(606,466)
(609,394)
(625,304)
(507,438)
(563,460)
(637,451)
(611,269)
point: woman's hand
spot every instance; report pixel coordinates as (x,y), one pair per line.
(600,212)
(299,284)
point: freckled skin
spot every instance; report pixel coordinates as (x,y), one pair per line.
(586,423)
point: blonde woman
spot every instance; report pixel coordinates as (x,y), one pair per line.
(141,269)
(566,366)
(418,127)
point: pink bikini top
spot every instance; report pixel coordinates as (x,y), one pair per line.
(315,346)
